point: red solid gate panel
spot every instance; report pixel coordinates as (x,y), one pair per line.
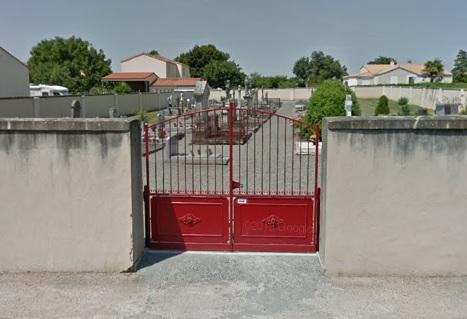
(190,223)
(274,224)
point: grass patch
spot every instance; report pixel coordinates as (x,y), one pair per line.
(368,106)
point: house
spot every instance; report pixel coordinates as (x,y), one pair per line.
(141,71)
(14,76)
(380,74)
(162,66)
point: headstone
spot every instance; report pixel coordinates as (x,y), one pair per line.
(348,105)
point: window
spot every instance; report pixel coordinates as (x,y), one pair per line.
(45,93)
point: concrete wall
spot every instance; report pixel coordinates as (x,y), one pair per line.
(70,195)
(14,76)
(419,96)
(91,106)
(394,196)
(292,94)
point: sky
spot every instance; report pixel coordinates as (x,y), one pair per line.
(265,36)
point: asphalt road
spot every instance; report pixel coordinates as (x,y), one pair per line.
(231,285)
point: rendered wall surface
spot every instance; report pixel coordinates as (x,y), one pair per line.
(394,196)
(70,195)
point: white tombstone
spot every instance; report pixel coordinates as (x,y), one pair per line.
(348,105)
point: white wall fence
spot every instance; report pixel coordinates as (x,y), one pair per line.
(292,94)
(91,105)
(424,97)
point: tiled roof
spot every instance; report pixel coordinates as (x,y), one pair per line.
(129,76)
(371,70)
(163,82)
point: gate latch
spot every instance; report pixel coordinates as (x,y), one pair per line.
(235,184)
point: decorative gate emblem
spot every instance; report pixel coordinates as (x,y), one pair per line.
(273,221)
(190,219)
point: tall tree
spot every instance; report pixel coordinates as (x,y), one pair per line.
(459,71)
(218,72)
(325,67)
(70,62)
(200,56)
(434,70)
(302,70)
(153,52)
(383,60)
(318,68)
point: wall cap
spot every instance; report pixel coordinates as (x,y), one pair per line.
(67,124)
(450,122)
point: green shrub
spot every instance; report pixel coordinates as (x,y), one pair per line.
(422,111)
(122,88)
(405,110)
(329,100)
(403,101)
(463,112)
(383,106)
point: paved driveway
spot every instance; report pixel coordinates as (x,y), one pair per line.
(207,285)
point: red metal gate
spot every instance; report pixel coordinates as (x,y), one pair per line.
(231,179)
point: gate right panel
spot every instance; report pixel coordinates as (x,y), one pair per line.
(274,224)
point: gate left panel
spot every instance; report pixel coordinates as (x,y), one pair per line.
(189,223)
(187,171)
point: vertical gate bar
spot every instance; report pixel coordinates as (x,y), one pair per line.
(162,158)
(146,146)
(185,151)
(155,158)
(285,155)
(247,147)
(316,155)
(292,155)
(254,153)
(207,144)
(270,146)
(200,152)
(216,139)
(170,157)
(262,153)
(230,120)
(192,154)
(222,150)
(240,141)
(308,166)
(277,154)
(178,158)
(300,165)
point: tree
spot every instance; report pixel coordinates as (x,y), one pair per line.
(200,56)
(302,70)
(329,100)
(434,70)
(459,71)
(276,81)
(153,52)
(383,106)
(71,62)
(318,68)
(383,60)
(218,72)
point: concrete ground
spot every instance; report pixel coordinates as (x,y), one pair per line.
(208,285)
